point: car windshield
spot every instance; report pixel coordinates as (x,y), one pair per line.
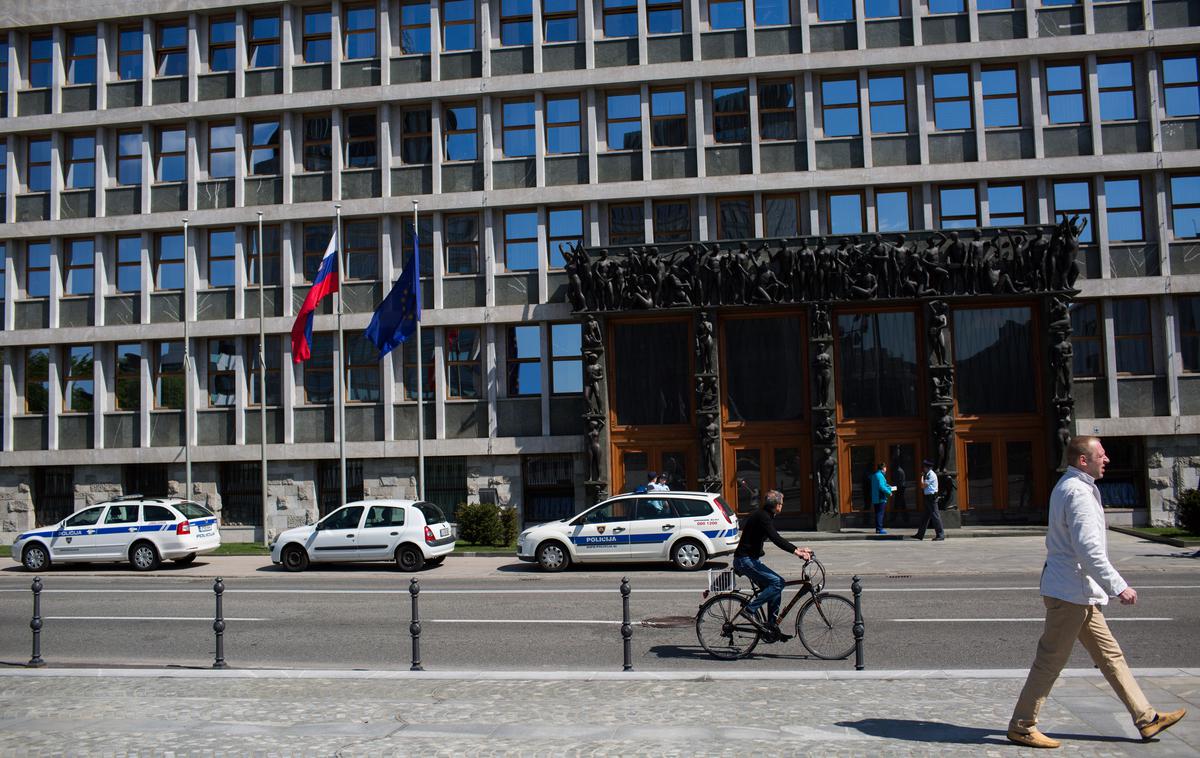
(432,513)
(193,510)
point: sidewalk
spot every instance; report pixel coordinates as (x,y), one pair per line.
(958,713)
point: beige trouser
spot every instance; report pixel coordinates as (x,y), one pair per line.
(1066,622)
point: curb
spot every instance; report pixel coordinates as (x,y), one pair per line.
(1172,541)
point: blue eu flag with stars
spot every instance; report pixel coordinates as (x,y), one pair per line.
(396,318)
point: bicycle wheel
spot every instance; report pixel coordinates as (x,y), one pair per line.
(721,631)
(825,626)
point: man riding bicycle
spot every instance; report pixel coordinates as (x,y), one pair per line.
(758,527)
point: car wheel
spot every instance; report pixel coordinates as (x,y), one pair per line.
(185,560)
(294,558)
(688,555)
(35,558)
(552,556)
(143,556)
(409,558)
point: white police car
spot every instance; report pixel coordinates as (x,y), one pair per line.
(144,531)
(686,528)
(411,533)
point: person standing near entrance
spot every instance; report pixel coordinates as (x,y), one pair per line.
(880,492)
(929,486)
(1077,581)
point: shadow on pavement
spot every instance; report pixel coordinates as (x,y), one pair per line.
(91,568)
(697,653)
(385,567)
(937,731)
(523,567)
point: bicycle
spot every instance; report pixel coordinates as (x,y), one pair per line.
(824,624)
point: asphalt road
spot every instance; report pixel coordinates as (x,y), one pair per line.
(351,618)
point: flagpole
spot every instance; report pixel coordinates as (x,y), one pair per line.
(262,375)
(339,385)
(420,389)
(187,371)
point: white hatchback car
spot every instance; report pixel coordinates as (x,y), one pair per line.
(686,528)
(144,531)
(409,532)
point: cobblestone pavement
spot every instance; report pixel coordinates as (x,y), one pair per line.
(179,712)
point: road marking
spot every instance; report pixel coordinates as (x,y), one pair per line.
(143,618)
(1110,619)
(533,591)
(523,621)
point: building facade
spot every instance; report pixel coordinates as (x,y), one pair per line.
(524,128)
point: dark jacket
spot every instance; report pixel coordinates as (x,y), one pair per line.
(756,530)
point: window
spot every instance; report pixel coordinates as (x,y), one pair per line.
(624,117)
(524,361)
(1064,94)
(269,261)
(359,32)
(731,112)
(240,488)
(1001,106)
(735,218)
(726,14)
(316,239)
(668,118)
(425,230)
(168,375)
(37,269)
(995,5)
(222,143)
(1123,198)
(427,369)
(560,20)
(672,221)
(626,224)
(520,241)
(563,125)
(129,53)
(458,25)
(518,128)
(463,366)
(1087,341)
(129,377)
(566,356)
(129,264)
(362,369)
(877,364)
(222,257)
(994,360)
(893,211)
(172,49)
(81,58)
(565,230)
(881,8)
(414,27)
(771,13)
(1189,331)
(264,41)
(1006,204)
(946,6)
(459,126)
(886,93)
(835,10)
(839,107)
(1074,198)
(222,372)
(1185,206)
(1181,86)
(516,22)
(37,380)
(317,36)
(4,63)
(1131,323)
(78,379)
(274,358)
(360,143)
(41,52)
(1116,90)
(3,163)
(959,209)
(416,140)
(38,164)
(846,213)
(172,152)
(3,272)
(462,243)
(951,100)
(664,16)
(129,158)
(168,262)
(620,18)
(776,110)
(222,54)
(362,249)
(264,148)
(79,265)
(318,371)
(318,142)
(80,165)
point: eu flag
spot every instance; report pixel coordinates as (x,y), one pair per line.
(396,318)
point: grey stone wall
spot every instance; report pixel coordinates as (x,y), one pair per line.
(16,504)
(291,496)
(1172,466)
(96,484)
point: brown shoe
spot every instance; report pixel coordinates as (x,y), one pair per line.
(1033,739)
(1161,722)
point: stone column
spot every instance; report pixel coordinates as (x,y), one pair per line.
(1060,359)
(826,507)
(708,407)
(940,371)
(595,414)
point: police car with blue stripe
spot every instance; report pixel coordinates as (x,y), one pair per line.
(685,528)
(143,531)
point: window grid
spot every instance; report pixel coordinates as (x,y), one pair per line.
(458,25)
(222,257)
(952,100)
(1185,206)
(458,126)
(414,27)
(1181,85)
(672,221)
(781,215)
(1006,204)
(517,128)
(222,372)
(887,96)
(318,142)
(463,366)
(129,53)
(1074,198)
(1001,97)
(362,370)
(129,264)
(128,376)
(360,140)
(81,58)
(129,158)
(1188,309)
(1114,80)
(560,20)
(37,163)
(563,124)
(516,22)
(626,223)
(269,261)
(839,107)
(78,379)
(619,18)
(566,359)
(461,242)
(263,155)
(1132,336)
(37,380)
(361,249)
(80,165)
(520,240)
(949,198)
(169,262)
(1087,340)
(78,264)
(731,112)
(172,154)
(846,212)
(222,32)
(624,121)
(263,41)
(564,229)
(222,145)
(1065,99)
(416,141)
(37,269)
(1123,209)
(168,375)
(524,361)
(776,110)
(735,218)
(41,53)
(273,353)
(318,36)
(668,118)
(359,27)
(171,49)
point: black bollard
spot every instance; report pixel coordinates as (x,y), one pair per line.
(414,628)
(219,626)
(35,624)
(859,627)
(626,628)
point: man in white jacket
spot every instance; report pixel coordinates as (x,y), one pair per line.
(1077,582)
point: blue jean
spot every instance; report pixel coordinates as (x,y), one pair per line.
(770,584)
(879,510)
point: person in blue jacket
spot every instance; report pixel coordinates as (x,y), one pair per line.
(880,492)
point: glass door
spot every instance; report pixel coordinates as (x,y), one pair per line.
(635,463)
(998,473)
(861,461)
(760,467)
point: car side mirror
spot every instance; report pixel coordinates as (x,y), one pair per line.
(320,526)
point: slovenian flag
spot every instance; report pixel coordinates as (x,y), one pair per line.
(326,283)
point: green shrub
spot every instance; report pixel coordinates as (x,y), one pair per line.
(508,525)
(479,523)
(1189,511)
